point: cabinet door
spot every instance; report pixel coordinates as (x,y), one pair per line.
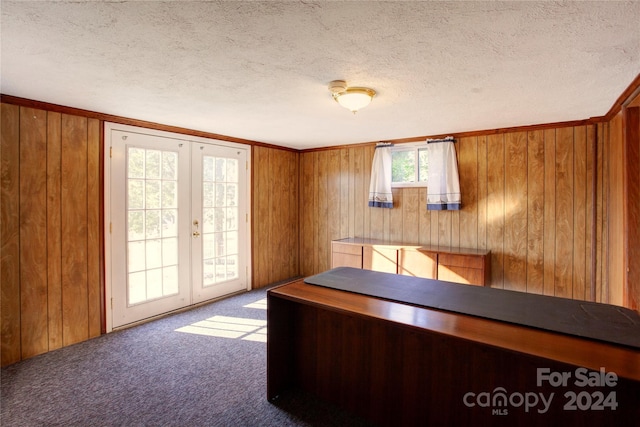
(343,255)
(413,262)
(345,260)
(380,258)
(459,268)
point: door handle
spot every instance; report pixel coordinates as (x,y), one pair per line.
(195,224)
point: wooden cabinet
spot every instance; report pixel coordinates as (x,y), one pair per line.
(473,270)
(346,255)
(380,258)
(418,263)
(469,266)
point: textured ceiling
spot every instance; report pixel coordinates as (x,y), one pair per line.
(259,70)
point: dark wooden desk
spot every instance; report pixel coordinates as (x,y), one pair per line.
(396,364)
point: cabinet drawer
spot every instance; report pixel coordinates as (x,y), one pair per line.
(347,249)
(469,276)
(457,260)
(345,260)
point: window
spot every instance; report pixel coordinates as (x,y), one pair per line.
(409,165)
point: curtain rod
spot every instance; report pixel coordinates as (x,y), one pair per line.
(447,139)
(384,144)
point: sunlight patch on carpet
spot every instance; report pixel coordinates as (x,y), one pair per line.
(229,327)
(262,304)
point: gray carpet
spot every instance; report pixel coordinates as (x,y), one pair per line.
(155,375)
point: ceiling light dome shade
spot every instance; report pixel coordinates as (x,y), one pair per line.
(355,98)
(351,98)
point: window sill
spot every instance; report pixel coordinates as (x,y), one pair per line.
(409,185)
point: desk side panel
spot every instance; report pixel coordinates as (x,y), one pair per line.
(280,355)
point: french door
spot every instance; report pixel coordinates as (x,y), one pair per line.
(178,221)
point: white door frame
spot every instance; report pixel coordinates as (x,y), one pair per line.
(108,244)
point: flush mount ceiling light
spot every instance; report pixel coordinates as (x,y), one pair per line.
(351,98)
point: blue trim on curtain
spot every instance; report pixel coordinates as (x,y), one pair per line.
(380,204)
(443,206)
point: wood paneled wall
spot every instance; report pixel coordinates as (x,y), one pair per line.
(275,215)
(632,137)
(51,245)
(531,197)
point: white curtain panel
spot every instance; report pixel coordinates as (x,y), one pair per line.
(380,186)
(443,187)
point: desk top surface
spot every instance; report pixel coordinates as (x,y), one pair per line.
(564,348)
(604,322)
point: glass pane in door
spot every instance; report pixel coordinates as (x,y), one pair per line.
(152,224)
(220,213)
